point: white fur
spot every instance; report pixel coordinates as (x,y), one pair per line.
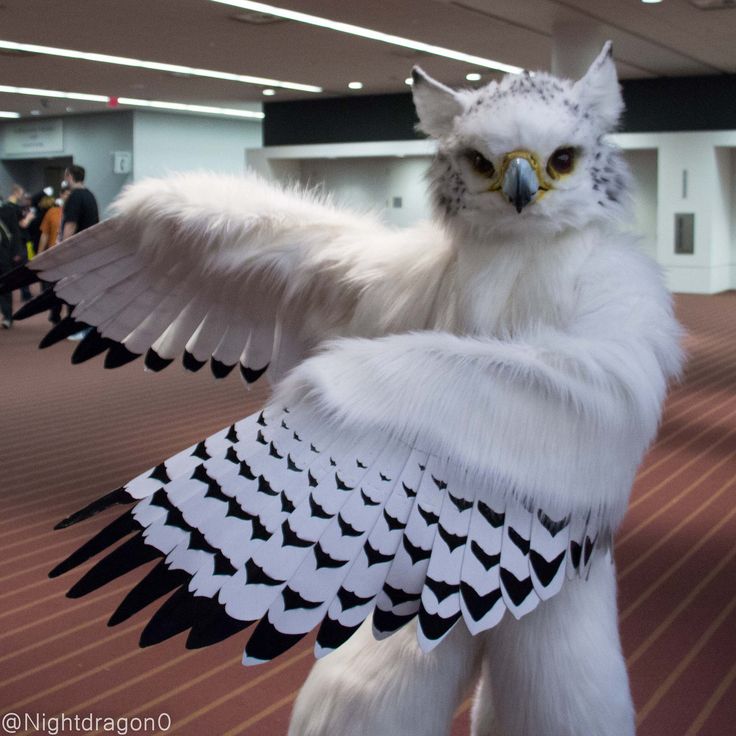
(562,408)
(559,671)
(388,687)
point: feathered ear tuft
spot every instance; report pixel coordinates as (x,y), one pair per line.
(599,90)
(436,104)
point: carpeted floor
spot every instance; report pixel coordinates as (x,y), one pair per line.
(72,433)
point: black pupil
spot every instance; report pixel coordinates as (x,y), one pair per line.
(562,160)
(482,165)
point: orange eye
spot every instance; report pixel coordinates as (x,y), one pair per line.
(561,161)
(481,164)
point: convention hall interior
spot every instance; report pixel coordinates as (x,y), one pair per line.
(318,93)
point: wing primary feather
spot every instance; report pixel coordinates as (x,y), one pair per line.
(41,303)
(17,278)
(191,363)
(159,581)
(213,625)
(251,375)
(267,642)
(154,362)
(387,622)
(118,355)
(333,634)
(177,614)
(118,496)
(435,627)
(220,369)
(130,554)
(91,345)
(113,532)
(60,331)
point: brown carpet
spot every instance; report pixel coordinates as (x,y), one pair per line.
(72,433)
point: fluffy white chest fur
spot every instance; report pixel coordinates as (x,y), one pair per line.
(510,286)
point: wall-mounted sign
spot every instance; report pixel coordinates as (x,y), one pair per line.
(122,162)
(33,137)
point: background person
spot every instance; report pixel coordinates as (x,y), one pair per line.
(80,212)
(12,246)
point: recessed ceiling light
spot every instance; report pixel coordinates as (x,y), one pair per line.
(355,85)
(651,2)
(373,35)
(159,104)
(70,109)
(9,114)
(409,81)
(155,65)
(473,77)
(269,92)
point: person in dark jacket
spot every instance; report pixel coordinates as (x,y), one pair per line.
(11,245)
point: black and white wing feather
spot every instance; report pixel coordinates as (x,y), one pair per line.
(297,523)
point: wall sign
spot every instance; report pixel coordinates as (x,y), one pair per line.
(40,136)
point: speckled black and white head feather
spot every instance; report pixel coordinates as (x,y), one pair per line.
(526,153)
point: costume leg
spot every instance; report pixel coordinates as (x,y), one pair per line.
(483,718)
(559,671)
(387,688)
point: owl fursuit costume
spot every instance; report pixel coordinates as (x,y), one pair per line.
(460,409)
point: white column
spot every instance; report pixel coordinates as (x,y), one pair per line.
(707,194)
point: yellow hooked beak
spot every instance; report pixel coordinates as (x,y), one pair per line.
(520,179)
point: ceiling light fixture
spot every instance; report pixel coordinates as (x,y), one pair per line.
(355,85)
(159,104)
(651,2)
(208,109)
(473,77)
(269,92)
(373,35)
(156,66)
(52,93)
(409,81)
(9,114)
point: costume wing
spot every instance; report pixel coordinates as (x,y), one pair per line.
(298,519)
(213,269)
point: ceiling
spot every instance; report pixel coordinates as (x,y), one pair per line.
(672,38)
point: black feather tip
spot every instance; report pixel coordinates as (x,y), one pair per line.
(191,363)
(46,300)
(60,331)
(267,642)
(154,362)
(130,554)
(119,355)
(220,369)
(92,345)
(160,581)
(17,278)
(113,532)
(252,375)
(118,496)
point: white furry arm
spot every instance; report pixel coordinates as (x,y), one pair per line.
(237,270)
(562,415)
